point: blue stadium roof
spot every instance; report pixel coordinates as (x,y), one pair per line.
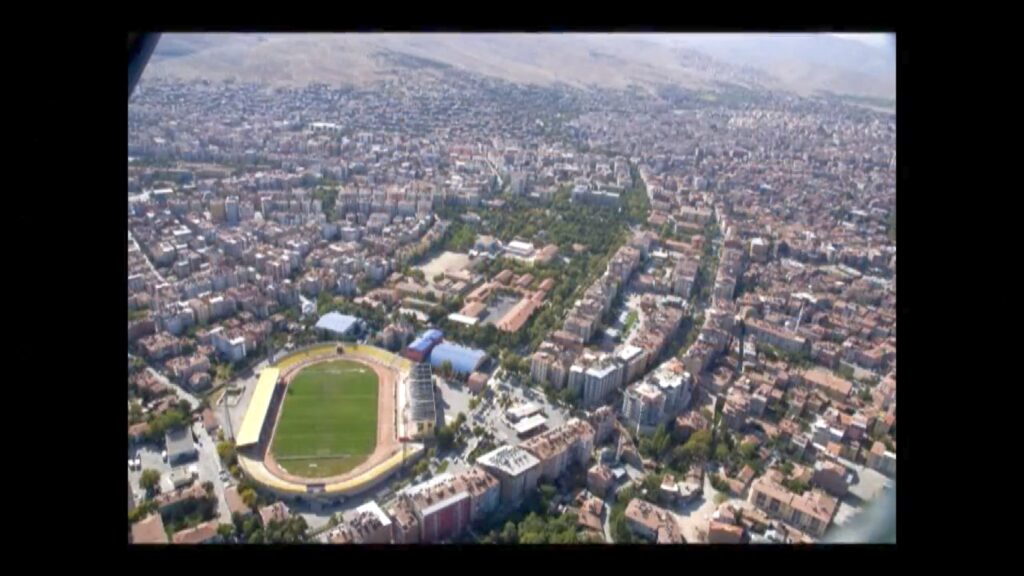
(426,340)
(464,360)
(336,322)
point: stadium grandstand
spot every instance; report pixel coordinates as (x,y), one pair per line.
(253,425)
(422,406)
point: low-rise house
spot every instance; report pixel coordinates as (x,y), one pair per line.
(170,501)
(652,523)
(209,421)
(150,530)
(600,479)
(723,533)
(832,477)
(274,512)
(811,512)
(590,510)
(205,533)
(235,503)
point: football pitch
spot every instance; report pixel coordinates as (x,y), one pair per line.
(328,421)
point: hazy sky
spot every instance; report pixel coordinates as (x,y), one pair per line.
(874,39)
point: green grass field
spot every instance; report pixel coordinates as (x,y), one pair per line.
(328,421)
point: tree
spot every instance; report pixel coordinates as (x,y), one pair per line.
(473,403)
(446,368)
(718,483)
(511,362)
(445,437)
(547,493)
(845,371)
(149,480)
(787,468)
(509,535)
(698,447)
(136,364)
(225,531)
(228,454)
(134,412)
(796,486)
(249,497)
(208,487)
(747,451)
(721,452)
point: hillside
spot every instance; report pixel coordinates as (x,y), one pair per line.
(579,60)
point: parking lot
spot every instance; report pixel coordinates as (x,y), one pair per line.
(454,398)
(492,416)
(207,466)
(151,460)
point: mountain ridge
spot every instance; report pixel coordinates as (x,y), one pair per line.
(585,61)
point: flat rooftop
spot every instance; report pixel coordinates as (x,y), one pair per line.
(511,460)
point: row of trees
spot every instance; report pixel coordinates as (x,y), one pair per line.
(621,533)
(192,512)
(801,359)
(449,436)
(538,522)
(249,530)
(375,318)
(175,417)
(635,203)
(538,529)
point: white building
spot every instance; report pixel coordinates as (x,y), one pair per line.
(516,469)
(643,406)
(520,249)
(600,381)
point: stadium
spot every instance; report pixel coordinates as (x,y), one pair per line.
(325,423)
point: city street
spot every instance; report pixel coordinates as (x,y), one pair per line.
(209,469)
(143,254)
(178,390)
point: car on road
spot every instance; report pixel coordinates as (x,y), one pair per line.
(163,455)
